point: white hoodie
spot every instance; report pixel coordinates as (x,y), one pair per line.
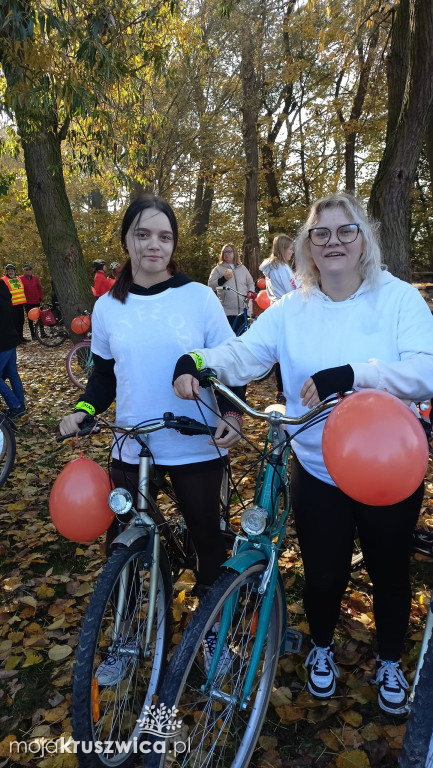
(384,333)
(280,279)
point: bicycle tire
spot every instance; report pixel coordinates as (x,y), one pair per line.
(121,704)
(50,335)
(79,364)
(220,734)
(417,748)
(8,450)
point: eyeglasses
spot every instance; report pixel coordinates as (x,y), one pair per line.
(229,250)
(347,233)
(27,269)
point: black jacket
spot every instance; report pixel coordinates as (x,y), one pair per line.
(9,338)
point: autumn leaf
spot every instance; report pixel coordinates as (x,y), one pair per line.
(355,758)
(59,652)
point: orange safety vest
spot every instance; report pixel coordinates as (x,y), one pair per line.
(16,289)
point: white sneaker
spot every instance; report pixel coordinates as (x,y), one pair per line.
(209,645)
(322,671)
(112,670)
(392,695)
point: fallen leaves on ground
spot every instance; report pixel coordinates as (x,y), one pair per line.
(47,582)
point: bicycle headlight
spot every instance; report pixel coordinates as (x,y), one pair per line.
(120,501)
(254,520)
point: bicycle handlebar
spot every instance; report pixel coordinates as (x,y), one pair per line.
(273,417)
(183,424)
(251,295)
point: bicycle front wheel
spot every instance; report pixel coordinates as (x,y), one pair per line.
(79,364)
(214,727)
(50,335)
(115,674)
(7,450)
(417,751)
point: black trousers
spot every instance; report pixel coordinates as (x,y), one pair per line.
(326,519)
(18,310)
(30,322)
(197,488)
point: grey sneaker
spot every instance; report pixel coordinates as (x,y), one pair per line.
(392,694)
(209,645)
(112,670)
(322,671)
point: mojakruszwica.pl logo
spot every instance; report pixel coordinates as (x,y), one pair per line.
(158,722)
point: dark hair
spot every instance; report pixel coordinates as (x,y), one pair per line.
(147,200)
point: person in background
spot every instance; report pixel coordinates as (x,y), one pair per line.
(280,279)
(9,339)
(101,283)
(229,271)
(165,311)
(16,289)
(350,325)
(33,292)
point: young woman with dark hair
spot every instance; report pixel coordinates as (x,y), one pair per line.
(152,315)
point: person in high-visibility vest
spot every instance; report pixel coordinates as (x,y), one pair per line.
(16,289)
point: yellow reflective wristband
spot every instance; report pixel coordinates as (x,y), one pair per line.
(82,406)
(199,362)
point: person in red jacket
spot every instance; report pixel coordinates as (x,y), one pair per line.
(33,292)
(101,283)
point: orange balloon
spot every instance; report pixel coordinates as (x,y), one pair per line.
(261,283)
(263,300)
(79,501)
(374,448)
(80,324)
(33,314)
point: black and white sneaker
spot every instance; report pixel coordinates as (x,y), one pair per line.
(392,693)
(209,646)
(322,671)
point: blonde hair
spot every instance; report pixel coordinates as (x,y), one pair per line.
(279,245)
(370,260)
(236,260)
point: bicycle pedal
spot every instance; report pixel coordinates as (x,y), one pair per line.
(293,641)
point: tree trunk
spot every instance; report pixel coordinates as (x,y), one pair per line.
(429,155)
(390,194)
(203,200)
(47,193)
(250,111)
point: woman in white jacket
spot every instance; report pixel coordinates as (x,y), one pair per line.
(280,279)
(350,325)
(231,273)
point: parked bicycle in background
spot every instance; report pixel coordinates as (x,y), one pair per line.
(79,360)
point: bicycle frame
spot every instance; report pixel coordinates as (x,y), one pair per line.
(251,549)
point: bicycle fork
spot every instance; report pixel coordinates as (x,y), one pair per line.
(142,518)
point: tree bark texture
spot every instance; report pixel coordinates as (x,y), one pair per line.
(429,155)
(390,194)
(47,193)
(250,112)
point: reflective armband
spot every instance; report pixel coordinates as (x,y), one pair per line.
(82,406)
(199,362)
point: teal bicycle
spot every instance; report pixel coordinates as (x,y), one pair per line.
(221,675)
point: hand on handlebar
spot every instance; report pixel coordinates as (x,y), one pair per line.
(251,295)
(71,423)
(230,427)
(186,387)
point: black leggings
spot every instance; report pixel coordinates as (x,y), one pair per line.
(197,488)
(326,519)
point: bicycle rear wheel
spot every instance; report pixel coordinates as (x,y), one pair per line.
(79,364)
(50,335)
(417,750)
(217,731)
(108,711)
(7,450)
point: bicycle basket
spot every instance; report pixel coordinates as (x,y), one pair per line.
(47,317)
